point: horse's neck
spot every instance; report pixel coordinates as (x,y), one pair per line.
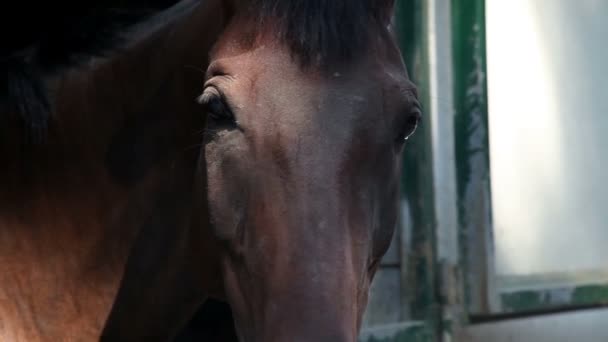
(123,135)
(112,128)
(66,223)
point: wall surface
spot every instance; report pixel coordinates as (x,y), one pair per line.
(548,106)
(581,326)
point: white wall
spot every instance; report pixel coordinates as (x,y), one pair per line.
(578,326)
(548,118)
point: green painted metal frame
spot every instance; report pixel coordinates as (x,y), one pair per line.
(472,150)
(414,334)
(421,282)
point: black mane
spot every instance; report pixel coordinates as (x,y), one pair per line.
(321,32)
(51,38)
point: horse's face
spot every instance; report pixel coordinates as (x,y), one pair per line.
(303,181)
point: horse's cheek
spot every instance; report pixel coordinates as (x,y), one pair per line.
(226,195)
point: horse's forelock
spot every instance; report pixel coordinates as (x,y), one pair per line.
(321,32)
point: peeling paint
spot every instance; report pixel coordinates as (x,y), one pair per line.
(472,158)
(556,298)
(405,332)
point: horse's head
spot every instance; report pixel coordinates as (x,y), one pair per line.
(308,107)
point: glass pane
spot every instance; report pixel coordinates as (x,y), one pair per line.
(547,66)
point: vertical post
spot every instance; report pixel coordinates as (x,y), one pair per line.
(441,114)
(472,153)
(418,252)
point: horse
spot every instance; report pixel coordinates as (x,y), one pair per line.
(247,152)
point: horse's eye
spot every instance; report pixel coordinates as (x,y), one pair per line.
(216,108)
(218,111)
(409,125)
